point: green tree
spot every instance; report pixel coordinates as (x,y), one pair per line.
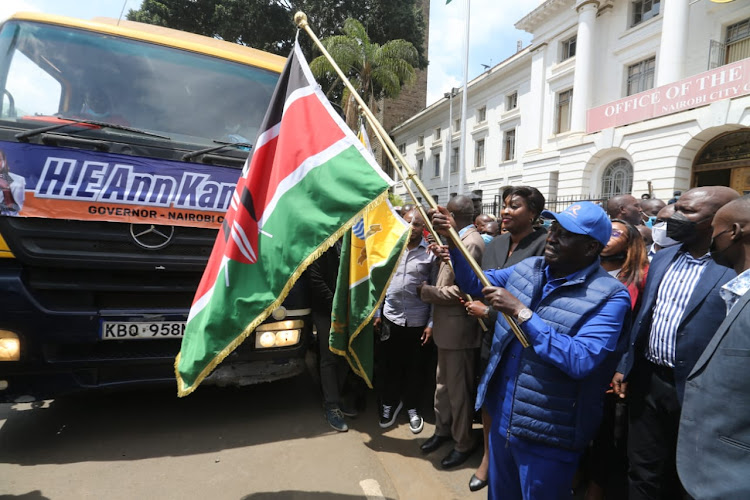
(375,71)
(268,25)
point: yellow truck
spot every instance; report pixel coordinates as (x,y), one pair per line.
(120,146)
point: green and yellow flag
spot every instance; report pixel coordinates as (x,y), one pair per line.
(369,255)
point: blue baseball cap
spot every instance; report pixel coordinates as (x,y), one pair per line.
(586,218)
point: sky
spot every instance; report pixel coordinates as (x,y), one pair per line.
(492,39)
(492,35)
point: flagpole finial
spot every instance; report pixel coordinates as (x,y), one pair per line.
(300,19)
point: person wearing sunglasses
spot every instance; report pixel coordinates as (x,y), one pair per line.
(625,258)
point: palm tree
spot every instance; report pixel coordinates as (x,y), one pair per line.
(375,71)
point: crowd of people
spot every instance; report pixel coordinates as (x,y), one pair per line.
(635,319)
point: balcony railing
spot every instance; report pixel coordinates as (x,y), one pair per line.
(721,53)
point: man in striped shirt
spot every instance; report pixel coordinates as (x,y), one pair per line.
(680,311)
(405,329)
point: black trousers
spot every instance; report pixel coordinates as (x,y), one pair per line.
(333,368)
(403,359)
(607,459)
(652,435)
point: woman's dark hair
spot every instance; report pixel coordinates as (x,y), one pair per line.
(636,261)
(534,199)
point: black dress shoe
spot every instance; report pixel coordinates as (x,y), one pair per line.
(433,443)
(476,484)
(455,458)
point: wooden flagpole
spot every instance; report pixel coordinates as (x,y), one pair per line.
(300,19)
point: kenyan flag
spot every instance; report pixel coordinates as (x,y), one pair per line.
(308,181)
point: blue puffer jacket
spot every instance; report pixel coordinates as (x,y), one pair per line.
(549,406)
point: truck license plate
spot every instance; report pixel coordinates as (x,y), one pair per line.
(124,330)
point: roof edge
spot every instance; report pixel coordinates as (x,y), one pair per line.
(531,21)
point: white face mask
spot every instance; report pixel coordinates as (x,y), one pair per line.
(659,235)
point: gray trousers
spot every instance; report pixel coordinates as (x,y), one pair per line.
(454,396)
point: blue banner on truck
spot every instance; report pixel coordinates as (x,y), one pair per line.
(62,183)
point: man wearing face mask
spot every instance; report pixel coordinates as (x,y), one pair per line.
(659,232)
(721,438)
(650,210)
(680,310)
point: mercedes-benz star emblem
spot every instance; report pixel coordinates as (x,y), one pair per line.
(151,236)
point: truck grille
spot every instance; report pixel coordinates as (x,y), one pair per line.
(112,350)
(84,265)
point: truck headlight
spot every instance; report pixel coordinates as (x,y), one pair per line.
(10,346)
(278,334)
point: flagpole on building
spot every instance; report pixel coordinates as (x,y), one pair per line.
(464,103)
(300,20)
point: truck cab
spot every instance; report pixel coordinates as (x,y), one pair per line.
(120,146)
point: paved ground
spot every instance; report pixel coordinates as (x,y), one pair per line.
(262,442)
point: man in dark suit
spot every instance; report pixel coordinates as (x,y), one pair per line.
(680,310)
(713,447)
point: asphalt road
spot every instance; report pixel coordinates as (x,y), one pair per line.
(261,442)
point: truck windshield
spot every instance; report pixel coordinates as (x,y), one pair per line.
(49,72)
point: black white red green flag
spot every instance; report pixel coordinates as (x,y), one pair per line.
(308,181)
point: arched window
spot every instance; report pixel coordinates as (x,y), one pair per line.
(617,178)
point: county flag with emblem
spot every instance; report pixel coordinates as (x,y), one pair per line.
(308,181)
(369,254)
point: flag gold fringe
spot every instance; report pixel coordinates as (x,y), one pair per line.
(184,390)
(357,368)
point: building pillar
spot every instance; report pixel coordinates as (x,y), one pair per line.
(582,79)
(670,65)
(537,89)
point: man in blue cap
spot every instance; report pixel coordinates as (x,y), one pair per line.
(546,400)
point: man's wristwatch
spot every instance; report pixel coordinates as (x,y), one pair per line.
(523,315)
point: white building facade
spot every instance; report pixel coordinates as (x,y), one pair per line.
(611,97)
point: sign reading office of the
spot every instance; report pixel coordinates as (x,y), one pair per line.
(725,82)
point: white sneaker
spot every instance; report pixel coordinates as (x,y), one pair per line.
(416,422)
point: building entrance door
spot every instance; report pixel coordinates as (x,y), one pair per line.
(724,161)
(722,177)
